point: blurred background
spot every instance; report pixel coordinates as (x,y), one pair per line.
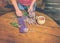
(49,7)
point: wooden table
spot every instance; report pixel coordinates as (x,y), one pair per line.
(46,33)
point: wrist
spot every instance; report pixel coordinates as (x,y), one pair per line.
(18,10)
(31,6)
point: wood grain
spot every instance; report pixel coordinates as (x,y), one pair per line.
(47,33)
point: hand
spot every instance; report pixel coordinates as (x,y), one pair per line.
(30,9)
(19,13)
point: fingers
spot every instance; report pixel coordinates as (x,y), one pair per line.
(28,10)
(19,13)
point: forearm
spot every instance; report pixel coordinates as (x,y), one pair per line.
(14,2)
(33,2)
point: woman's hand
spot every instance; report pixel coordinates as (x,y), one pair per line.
(30,9)
(19,13)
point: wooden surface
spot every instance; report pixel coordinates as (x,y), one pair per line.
(47,33)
